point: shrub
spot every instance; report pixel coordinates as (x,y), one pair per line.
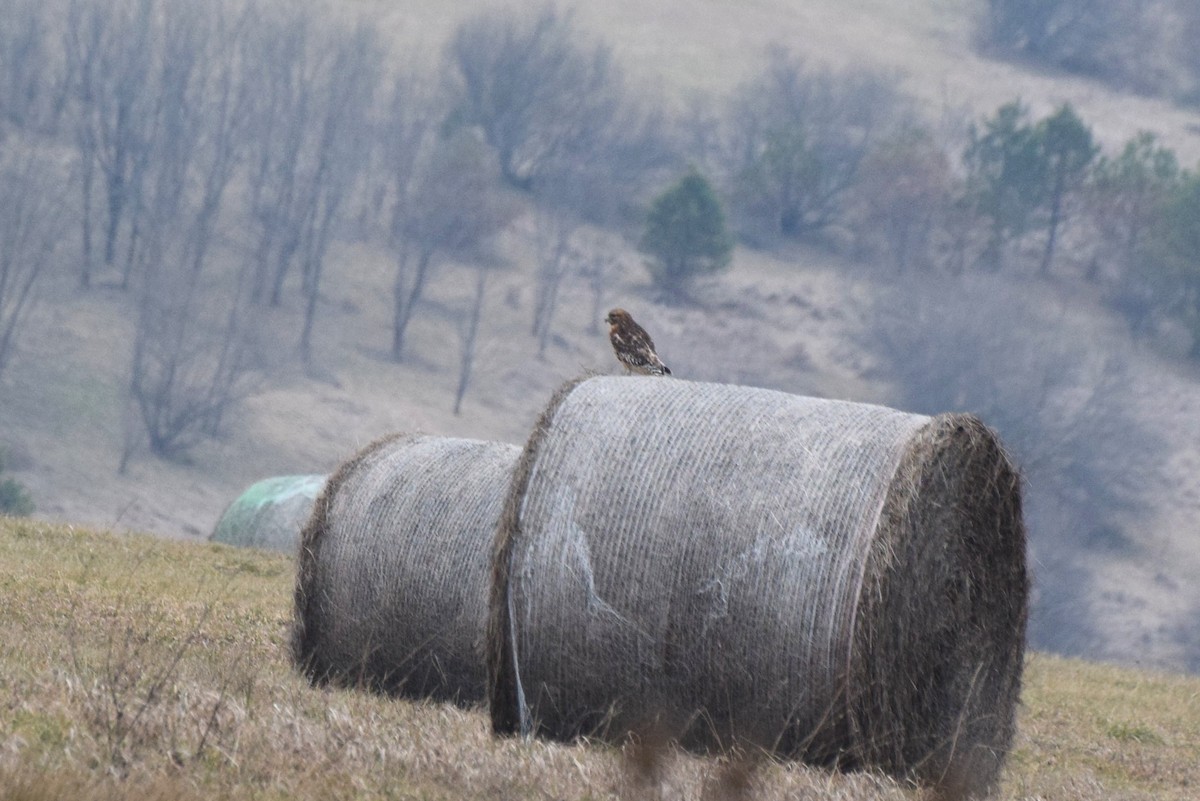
(795,139)
(686,235)
(14,498)
(1174,273)
(1101,38)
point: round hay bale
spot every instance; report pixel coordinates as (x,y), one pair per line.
(270,513)
(834,582)
(391,588)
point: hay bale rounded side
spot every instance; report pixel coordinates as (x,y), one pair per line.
(736,564)
(393,569)
(939,643)
(269,513)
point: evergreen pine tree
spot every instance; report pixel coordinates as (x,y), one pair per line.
(686,235)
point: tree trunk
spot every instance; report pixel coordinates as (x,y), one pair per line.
(406,300)
(116,204)
(310,310)
(286,251)
(89,169)
(547,321)
(550,277)
(470,338)
(1055,221)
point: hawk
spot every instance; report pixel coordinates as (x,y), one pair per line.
(633,346)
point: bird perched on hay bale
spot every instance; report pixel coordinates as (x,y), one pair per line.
(738,568)
(633,346)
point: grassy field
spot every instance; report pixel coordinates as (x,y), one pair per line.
(142,668)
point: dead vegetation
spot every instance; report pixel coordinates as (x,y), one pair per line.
(191,641)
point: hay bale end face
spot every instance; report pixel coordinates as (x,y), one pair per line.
(391,588)
(834,582)
(269,513)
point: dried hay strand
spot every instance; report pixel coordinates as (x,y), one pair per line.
(833,582)
(269,513)
(391,586)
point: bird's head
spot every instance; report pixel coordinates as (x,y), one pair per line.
(617,316)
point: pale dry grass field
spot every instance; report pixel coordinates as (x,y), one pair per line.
(63,394)
(133,667)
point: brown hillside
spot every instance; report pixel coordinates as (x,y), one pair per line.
(790,321)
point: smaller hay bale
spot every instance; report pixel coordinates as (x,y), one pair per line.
(834,582)
(391,587)
(269,513)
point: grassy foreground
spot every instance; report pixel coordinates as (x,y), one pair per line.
(140,668)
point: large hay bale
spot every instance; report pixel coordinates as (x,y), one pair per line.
(391,591)
(834,582)
(269,513)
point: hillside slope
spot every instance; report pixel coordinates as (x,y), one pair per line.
(791,321)
(677,48)
(138,667)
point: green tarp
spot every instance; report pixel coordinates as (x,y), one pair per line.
(270,513)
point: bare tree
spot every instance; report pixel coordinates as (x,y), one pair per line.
(309,128)
(193,143)
(411,143)
(191,357)
(458,208)
(31,214)
(468,334)
(349,85)
(277,128)
(600,268)
(600,185)
(698,132)
(535,87)
(129,62)
(1108,39)
(795,139)
(1188,15)
(402,133)
(121,111)
(31,74)
(902,200)
(557,217)
(190,363)
(86,33)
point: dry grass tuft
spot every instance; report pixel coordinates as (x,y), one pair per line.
(191,642)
